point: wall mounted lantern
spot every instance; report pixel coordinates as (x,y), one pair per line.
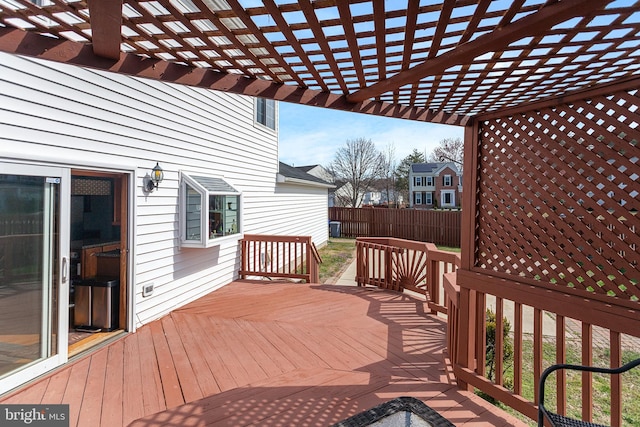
(156,178)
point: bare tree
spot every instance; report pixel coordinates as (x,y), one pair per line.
(357,165)
(449,150)
(388,168)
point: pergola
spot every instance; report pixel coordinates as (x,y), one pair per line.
(547,91)
(436,61)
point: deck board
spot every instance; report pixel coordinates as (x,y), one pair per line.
(152,395)
(132,393)
(113,401)
(183,367)
(91,409)
(267,353)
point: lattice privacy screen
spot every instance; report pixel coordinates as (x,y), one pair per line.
(558,195)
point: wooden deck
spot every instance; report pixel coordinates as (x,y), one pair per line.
(255,353)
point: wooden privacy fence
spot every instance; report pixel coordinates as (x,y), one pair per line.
(398,264)
(21,245)
(290,257)
(439,227)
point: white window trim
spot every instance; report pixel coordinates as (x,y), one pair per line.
(418,198)
(453,198)
(428,198)
(205,241)
(449,179)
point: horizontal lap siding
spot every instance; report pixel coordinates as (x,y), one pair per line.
(84,118)
(299,210)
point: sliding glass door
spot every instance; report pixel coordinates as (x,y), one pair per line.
(33,270)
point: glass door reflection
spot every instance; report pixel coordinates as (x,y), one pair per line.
(29,227)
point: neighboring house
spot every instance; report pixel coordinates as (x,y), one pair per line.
(303,195)
(344,194)
(435,185)
(77,153)
(318,171)
(372,198)
(382,195)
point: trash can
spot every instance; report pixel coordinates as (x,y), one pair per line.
(81,303)
(96,304)
(334,226)
(104,304)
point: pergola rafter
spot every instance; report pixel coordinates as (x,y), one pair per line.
(533,24)
(451,59)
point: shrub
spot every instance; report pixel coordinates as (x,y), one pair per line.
(507,344)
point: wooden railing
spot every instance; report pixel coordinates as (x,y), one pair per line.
(290,257)
(398,264)
(548,327)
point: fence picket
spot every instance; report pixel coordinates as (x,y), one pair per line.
(439,227)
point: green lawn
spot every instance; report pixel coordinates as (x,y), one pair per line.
(600,385)
(336,255)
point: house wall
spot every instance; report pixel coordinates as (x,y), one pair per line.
(306,212)
(80,118)
(437,188)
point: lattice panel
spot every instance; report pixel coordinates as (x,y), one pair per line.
(558,195)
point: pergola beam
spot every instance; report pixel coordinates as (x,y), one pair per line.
(106,27)
(69,52)
(535,23)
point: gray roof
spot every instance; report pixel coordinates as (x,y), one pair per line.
(425,167)
(306,168)
(298,173)
(215,185)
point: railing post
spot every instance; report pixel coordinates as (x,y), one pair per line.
(243,262)
(467,333)
(388,273)
(359,261)
(307,248)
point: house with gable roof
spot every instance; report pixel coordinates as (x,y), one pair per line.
(435,185)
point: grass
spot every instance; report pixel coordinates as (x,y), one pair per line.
(600,385)
(336,255)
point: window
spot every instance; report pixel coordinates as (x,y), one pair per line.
(428,198)
(417,181)
(447,181)
(418,198)
(429,181)
(210,210)
(447,198)
(266,112)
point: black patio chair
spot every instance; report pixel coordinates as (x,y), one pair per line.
(558,420)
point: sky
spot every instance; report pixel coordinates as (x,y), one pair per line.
(312,135)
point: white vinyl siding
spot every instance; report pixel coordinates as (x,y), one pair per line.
(80,118)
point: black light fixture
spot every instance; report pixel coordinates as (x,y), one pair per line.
(156,178)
